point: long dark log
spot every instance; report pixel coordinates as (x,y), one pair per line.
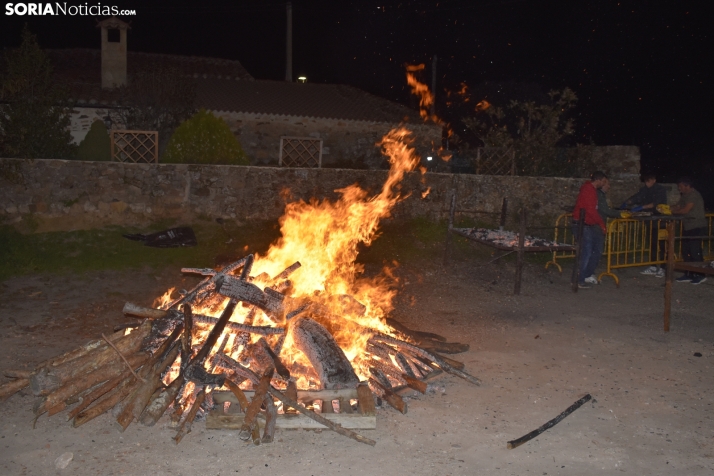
(228,363)
(249,421)
(186,337)
(215,334)
(550,424)
(279,366)
(214,276)
(185,427)
(379,376)
(199,319)
(399,327)
(443,347)
(318,418)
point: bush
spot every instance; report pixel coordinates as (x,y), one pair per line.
(204,139)
(96,144)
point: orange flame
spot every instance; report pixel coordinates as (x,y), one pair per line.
(422,90)
(324,236)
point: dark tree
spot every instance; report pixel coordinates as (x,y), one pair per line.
(34,117)
(157,100)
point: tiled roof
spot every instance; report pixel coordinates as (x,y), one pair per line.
(224,85)
(85,65)
(331,101)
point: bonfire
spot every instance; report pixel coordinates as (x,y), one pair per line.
(280,328)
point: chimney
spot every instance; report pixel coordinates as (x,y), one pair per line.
(113,52)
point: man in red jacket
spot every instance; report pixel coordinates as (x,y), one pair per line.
(593,229)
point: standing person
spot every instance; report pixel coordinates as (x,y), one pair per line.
(593,229)
(605,212)
(648,197)
(691,205)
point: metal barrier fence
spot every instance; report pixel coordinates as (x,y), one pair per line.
(627,243)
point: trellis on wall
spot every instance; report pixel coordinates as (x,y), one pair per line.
(300,152)
(495,161)
(138,147)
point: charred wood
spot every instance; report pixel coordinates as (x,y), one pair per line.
(251,413)
(329,361)
(185,427)
(394,400)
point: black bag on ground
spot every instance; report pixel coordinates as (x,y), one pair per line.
(171,238)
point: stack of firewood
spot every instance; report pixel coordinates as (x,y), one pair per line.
(161,366)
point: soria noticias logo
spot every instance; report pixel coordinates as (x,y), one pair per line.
(63,9)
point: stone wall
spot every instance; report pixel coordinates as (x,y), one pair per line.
(64,195)
(345,143)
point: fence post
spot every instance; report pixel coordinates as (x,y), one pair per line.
(575,277)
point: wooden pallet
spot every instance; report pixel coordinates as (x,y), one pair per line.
(363,416)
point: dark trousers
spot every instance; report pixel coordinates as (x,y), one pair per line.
(591,248)
(692,249)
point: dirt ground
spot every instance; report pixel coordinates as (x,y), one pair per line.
(536,354)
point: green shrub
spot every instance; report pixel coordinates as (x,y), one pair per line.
(204,139)
(96,144)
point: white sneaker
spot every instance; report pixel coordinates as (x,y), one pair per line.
(651,271)
(592,280)
(660,273)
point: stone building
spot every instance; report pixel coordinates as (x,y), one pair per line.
(344,122)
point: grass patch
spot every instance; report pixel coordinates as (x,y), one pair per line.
(417,241)
(105,248)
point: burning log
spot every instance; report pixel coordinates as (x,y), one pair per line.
(198,319)
(186,336)
(270,301)
(277,363)
(329,361)
(214,276)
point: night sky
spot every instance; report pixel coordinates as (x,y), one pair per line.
(641,69)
